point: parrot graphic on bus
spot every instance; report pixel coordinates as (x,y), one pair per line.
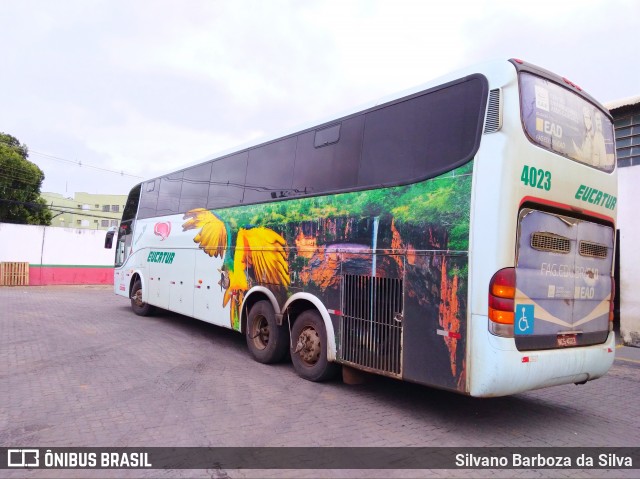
(257,248)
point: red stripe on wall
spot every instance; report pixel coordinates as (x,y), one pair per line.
(43,275)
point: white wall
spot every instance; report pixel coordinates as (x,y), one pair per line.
(48,245)
(629,226)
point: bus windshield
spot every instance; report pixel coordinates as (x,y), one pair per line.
(561,121)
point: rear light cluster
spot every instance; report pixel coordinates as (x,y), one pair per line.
(502,291)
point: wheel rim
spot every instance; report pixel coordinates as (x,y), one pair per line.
(137,298)
(309,346)
(260,332)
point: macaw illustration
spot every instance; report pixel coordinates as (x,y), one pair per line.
(257,248)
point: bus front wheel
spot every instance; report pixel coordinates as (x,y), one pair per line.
(138,306)
(267,342)
(309,348)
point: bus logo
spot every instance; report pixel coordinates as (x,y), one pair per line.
(23,457)
(162,229)
(160,257)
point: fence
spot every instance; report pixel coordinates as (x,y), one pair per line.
(37,255)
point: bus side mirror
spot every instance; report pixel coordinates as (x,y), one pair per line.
(108,240)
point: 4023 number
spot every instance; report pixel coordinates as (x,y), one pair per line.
(536,178)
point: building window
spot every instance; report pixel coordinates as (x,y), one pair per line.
(85,223)
(86,207)
(114,222)
(105,208)
(628,140)
(104,223)
(97,206)
(115,208)
(78,222)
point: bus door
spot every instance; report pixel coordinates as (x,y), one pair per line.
(123,251)
(563,281)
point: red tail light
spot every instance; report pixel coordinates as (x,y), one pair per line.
(569,82)
(502,290)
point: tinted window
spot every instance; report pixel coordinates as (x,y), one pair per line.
(559,120)
(270,171)
(149,199)
(423,136)
(227,181)
(407,140)
(131,208)
(195,187)
(169,195)
(331,167)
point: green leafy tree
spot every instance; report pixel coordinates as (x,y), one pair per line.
(20,183)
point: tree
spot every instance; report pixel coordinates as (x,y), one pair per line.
(20,183)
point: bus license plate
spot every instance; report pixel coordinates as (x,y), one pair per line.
(565,340)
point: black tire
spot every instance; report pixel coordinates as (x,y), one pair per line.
(267,342)
(140,308)
(309,348)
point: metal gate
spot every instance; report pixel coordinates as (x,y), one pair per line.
(371,325)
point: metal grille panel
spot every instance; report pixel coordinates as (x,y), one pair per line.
(550,242)
(593,250)
(371,326)
(493,121)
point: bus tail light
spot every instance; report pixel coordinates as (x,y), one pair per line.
(502,291)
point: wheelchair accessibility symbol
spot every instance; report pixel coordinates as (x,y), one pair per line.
(524,318)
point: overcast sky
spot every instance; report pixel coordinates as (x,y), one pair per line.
(144,87)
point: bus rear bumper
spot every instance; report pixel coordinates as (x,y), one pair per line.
(497,368)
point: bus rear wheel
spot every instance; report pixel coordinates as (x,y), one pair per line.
(138,306)
(309,348)
(267,342)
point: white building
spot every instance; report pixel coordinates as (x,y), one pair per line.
(626,115)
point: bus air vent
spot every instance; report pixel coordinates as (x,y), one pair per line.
(550,242)
(593,250)
(371,325)
(493,121)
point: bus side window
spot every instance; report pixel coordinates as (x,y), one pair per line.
(333,165)
(169,194)
(195,187)
(270,170)
(226,186)
(149,199)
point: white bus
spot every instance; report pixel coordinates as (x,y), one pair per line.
(459,235)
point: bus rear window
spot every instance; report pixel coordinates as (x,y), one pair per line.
(557,119)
